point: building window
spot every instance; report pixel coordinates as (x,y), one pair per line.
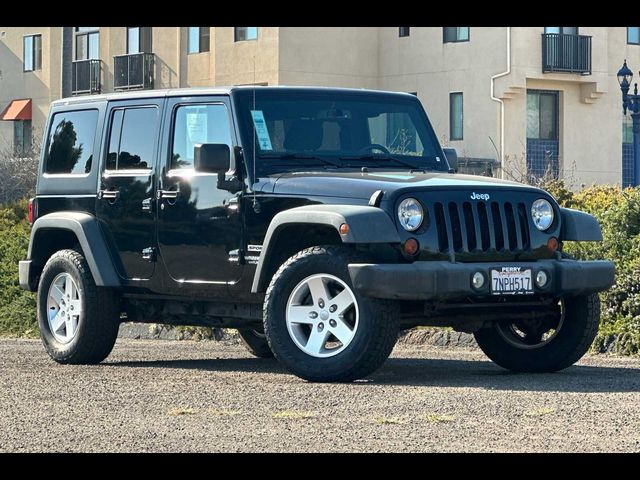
(633,35)
(139,40)
(129,148)
(542,115)
(32,52)
(245,33)
(22,137)
(455,34)
(198,39)
(69,147)
(87,40)
(404,31)
(562,30)
(455,116)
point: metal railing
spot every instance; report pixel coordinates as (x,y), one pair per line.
(133,71)
(86,76)
(566,53)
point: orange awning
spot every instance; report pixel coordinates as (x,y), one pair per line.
(17,110)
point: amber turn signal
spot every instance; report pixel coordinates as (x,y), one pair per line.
(552,244)
(411,246)
(344,229)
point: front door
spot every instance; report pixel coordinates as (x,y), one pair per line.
(126,194)
(199,224)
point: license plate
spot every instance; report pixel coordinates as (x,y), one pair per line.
(511,281)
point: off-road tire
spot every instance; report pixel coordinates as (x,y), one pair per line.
(377,331)
(255,342)
(572,341)
(99,322)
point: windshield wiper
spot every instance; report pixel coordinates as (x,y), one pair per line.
(297,156)
(384,158)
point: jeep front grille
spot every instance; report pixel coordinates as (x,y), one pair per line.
(481,227)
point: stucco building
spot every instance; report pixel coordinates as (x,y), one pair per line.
(531,98)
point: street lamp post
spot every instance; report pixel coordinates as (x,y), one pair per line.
(631,102)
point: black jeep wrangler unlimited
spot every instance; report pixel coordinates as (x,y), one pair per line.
(318,222)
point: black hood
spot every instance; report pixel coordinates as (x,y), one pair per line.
(361,185)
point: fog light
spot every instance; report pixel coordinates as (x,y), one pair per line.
(542,278)
(477,280)
(411,246)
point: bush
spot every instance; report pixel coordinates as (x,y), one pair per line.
(618,212)
(17,306)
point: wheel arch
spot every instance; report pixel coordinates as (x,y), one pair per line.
(293,230)
(62,230)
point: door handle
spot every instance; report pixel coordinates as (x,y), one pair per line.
(109,195)
(168,194)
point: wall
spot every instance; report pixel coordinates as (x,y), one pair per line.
(42,86)
(329,56)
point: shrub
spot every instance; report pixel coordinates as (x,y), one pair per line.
(17,306)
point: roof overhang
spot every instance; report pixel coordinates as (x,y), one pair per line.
(17,110)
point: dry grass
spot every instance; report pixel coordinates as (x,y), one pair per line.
(539,412)
(182,411)
(438,418)
(293,414)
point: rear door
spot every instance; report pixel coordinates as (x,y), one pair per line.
(126,192)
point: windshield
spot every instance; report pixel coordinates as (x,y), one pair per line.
(297,130)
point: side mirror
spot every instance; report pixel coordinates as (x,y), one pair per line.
(211,158)
(452,158)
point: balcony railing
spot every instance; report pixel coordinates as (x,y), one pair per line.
(85,76)
(566,53)
(133,71)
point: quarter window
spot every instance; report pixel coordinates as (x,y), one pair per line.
(197,124)
(455,34)
(130,143)
(70,142)
(32,53)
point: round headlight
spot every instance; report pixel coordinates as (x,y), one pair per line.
(410,214)
(542,214)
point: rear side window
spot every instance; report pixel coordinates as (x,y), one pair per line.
(131,144)
(70,142)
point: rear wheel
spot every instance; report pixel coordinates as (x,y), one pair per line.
(255,342)
(78,321)
(318,326)
(544,345)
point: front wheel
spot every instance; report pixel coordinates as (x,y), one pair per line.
(318,326)
(544,346)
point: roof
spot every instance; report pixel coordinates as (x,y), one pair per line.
(180,92)
(17,110)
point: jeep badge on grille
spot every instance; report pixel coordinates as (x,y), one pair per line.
(480,196)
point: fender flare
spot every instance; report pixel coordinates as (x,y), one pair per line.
(94,247)
(579,226)
(366,225)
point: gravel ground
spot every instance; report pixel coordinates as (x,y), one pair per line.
(156,395)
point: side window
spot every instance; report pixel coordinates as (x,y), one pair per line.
(195,124)
(131,142)
(70,143)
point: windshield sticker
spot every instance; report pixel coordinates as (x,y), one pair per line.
(397,176)
(261,130)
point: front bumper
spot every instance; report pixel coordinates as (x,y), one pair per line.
(444,280)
